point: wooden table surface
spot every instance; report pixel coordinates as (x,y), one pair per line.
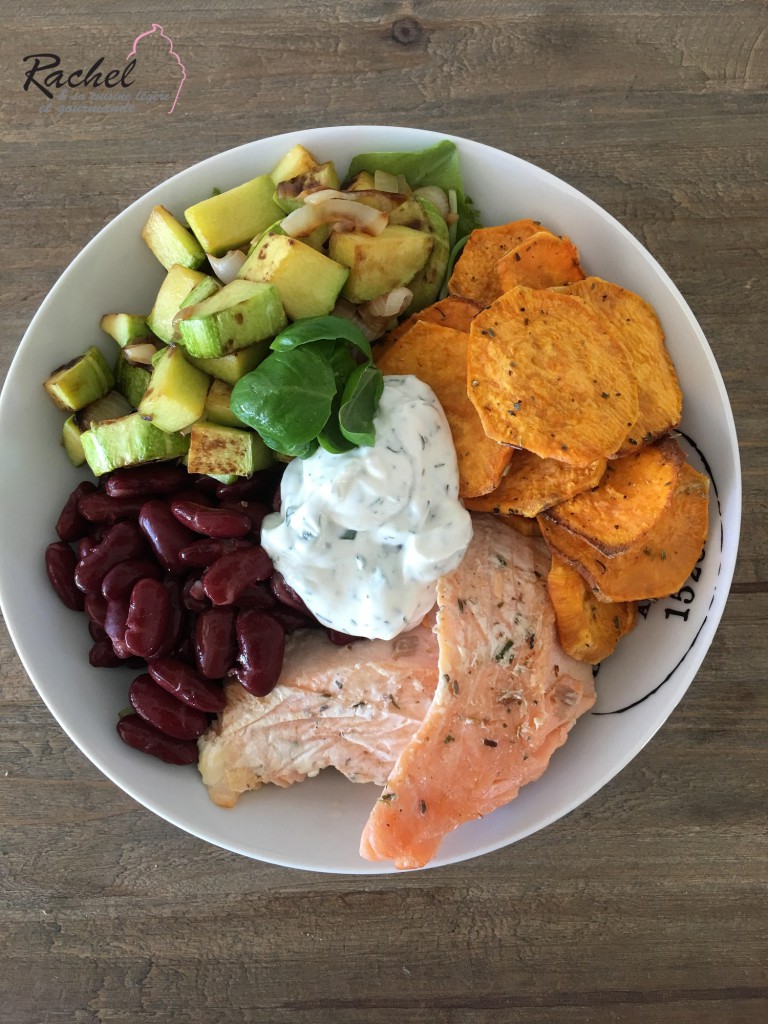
(647,904)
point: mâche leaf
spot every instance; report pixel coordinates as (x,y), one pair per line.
(321,328)
(287,398)
(358,405)
(312,389)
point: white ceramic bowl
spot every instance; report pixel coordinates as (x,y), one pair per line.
(317,825)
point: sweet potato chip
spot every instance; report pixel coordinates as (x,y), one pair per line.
(438,356)
(587,628)
(631,497)
(546,374)
(659,563)
(542,261)
(472,275)
(658,391)
(453,311)
(532,484)
(528,527)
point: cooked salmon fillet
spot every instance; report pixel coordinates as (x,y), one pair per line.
(354,708)
(506,698)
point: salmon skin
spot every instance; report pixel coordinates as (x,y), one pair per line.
(354,708)
(506,698)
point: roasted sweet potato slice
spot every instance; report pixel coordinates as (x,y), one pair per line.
(547,374)
(453,311)
(659,396)
(532,484)
(528,527)
(631,497)
(542,261)
(472,275)
(438,356)
(659,563)
(587,628)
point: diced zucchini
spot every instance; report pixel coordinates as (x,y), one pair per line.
(131,381)
(109,407)
(425,284)
(176,394)
(80,381)
(217,405)
(207,287)
(170,241)
(296,161)
(308,281)
(125,327)
(234,366)
(288,191)
(216,450)
(71,435)
(231,219)
(363,181)
(238,315)
(129,441)
(379,263)
(178,283)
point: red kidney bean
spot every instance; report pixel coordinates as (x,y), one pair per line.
(102,655)
(232,573)
(85,545)
(158,707)
(166,534)
(193,596)
(285,594)
(205,484)
(291,619)
(140,481)
(186,684)
(185,650)
(212,522)
(261,648)
(277,499)
(205,552)
(96,608)
(136,732)
(97,632)
(149,613)
(100,508)
(215,642)
(193,494)
(122,541)
(341,639)
(177,621)
(255,510)
(260,486)
(114,626)
(121,578)
(71,524)
(60,565)
(257,596)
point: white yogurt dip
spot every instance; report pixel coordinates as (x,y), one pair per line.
(363,536)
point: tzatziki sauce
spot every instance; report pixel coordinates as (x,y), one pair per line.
(363,536)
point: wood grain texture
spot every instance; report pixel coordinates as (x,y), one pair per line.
(648,905)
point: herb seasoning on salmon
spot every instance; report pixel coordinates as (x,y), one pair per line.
(506,698)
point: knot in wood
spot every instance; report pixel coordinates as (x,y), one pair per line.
(406,31)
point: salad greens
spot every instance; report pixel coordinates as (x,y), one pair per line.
(312,389)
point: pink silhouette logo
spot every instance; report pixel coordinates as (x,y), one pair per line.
(159,32)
